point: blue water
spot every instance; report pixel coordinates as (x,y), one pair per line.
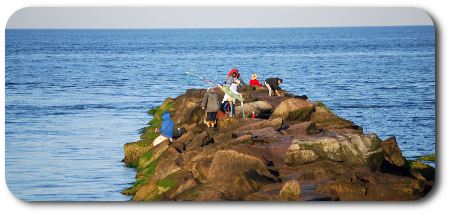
(73,98)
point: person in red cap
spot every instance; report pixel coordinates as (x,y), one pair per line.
(235,75)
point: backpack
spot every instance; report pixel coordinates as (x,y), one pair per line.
(178,132)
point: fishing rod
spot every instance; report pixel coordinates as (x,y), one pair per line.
(225,89)
(204,79)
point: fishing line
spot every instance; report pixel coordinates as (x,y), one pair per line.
(138,117)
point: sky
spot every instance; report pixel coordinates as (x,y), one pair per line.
(212,17)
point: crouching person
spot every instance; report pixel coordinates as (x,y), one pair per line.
(166,129)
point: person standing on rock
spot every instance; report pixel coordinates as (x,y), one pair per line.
(211,105)
(166,129)
(233,88)
(273,85)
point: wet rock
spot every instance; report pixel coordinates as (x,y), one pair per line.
(133,151)
(425,170)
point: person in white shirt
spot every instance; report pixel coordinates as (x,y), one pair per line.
(233,88)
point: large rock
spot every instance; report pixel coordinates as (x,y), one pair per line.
(133,151)
(248,182)
(327,120)
(227,123)
(258,107)
(361,184)
(290,191)
(392,152)
(293,109)
(189,113)
(353,151)
(199,141)
(229,161)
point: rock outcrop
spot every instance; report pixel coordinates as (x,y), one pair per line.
(294,150)
(355,151)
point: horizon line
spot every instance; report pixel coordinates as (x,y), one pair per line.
(215,27)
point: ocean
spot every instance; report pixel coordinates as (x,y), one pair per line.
(73,98)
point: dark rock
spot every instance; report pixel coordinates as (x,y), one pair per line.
(199,141)
(247,183)
(391,152)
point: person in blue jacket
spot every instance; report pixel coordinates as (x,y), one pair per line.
(166,129)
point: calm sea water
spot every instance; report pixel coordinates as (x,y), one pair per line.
(73,98)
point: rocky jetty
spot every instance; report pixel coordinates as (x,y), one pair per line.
(294,150)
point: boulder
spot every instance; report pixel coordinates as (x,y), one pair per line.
(189,113)
(392,152)
(167,186)
(199,141)
(227,123)
(246,88)
(293,109)
(363,184)
(320,107)
(229,161)
(200,169)
(353,151)
(133,151)
(290,191)
(305,128)
(258,107)
(425,170)
(326,120)
(219,137)
(248,182)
